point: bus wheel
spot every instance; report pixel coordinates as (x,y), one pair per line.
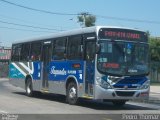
(72,93)
(119,102)
(29,87)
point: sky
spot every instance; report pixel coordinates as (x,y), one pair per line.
(139,14)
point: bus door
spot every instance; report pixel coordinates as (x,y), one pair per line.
(90,66)
(46,51)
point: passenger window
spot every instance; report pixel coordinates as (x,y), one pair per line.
(74,48)
(16,50)
(35,51)
(59,49)
(25,52)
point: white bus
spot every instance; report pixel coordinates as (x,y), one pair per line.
(100,63)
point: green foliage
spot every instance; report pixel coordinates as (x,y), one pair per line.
(80,18)
(154,51)
(88,19)
(154,48)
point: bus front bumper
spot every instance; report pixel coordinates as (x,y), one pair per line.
(117,94)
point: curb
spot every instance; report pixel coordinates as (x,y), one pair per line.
(4,78)
(153,101)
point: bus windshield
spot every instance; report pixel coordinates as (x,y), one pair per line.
(123,58)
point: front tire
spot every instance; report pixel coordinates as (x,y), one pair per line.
(29,87)
(72,98)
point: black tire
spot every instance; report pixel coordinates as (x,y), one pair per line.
(119,103)
(29,87)
(71,97)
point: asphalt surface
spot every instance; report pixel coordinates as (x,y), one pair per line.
(13,101)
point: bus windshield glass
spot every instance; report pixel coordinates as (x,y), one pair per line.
(123,57)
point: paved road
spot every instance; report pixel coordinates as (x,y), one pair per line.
(14,101)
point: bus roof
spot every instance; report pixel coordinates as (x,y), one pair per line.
(72,32)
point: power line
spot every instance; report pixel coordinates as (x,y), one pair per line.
(128,19)
(11,28)
(30,26)
(26,21)
(34,9)
(100,16)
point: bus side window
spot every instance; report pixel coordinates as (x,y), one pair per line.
(74,48)
(25,52)
(59,49)
(16,50)
(35,51)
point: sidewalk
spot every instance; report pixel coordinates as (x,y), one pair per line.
(154,96)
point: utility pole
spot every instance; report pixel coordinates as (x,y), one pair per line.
(0,45)
(86,20)
(84,14)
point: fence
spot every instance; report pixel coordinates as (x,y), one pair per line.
(4,70)
(154,72)
(5,54)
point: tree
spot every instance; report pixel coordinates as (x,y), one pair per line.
(154,48)
(86,20)
(154,43)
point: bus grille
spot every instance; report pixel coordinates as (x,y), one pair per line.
(125,94)
(130,81)
(122,86)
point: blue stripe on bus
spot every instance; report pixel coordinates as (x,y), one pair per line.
(57,70)
(60,70)
(14,72)
(37,70)
(131,82)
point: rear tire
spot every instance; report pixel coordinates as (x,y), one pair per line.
(71,97)
(29,87)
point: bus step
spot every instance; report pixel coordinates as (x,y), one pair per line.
(87,96)
(44,90)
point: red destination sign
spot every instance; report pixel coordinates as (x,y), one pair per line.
(124,35)
(111,65)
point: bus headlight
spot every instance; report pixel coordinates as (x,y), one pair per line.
(104,84)
(145,85)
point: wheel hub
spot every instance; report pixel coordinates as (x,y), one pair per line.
(28,89)
(72,92)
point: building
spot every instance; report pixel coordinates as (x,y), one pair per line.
(5,55)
